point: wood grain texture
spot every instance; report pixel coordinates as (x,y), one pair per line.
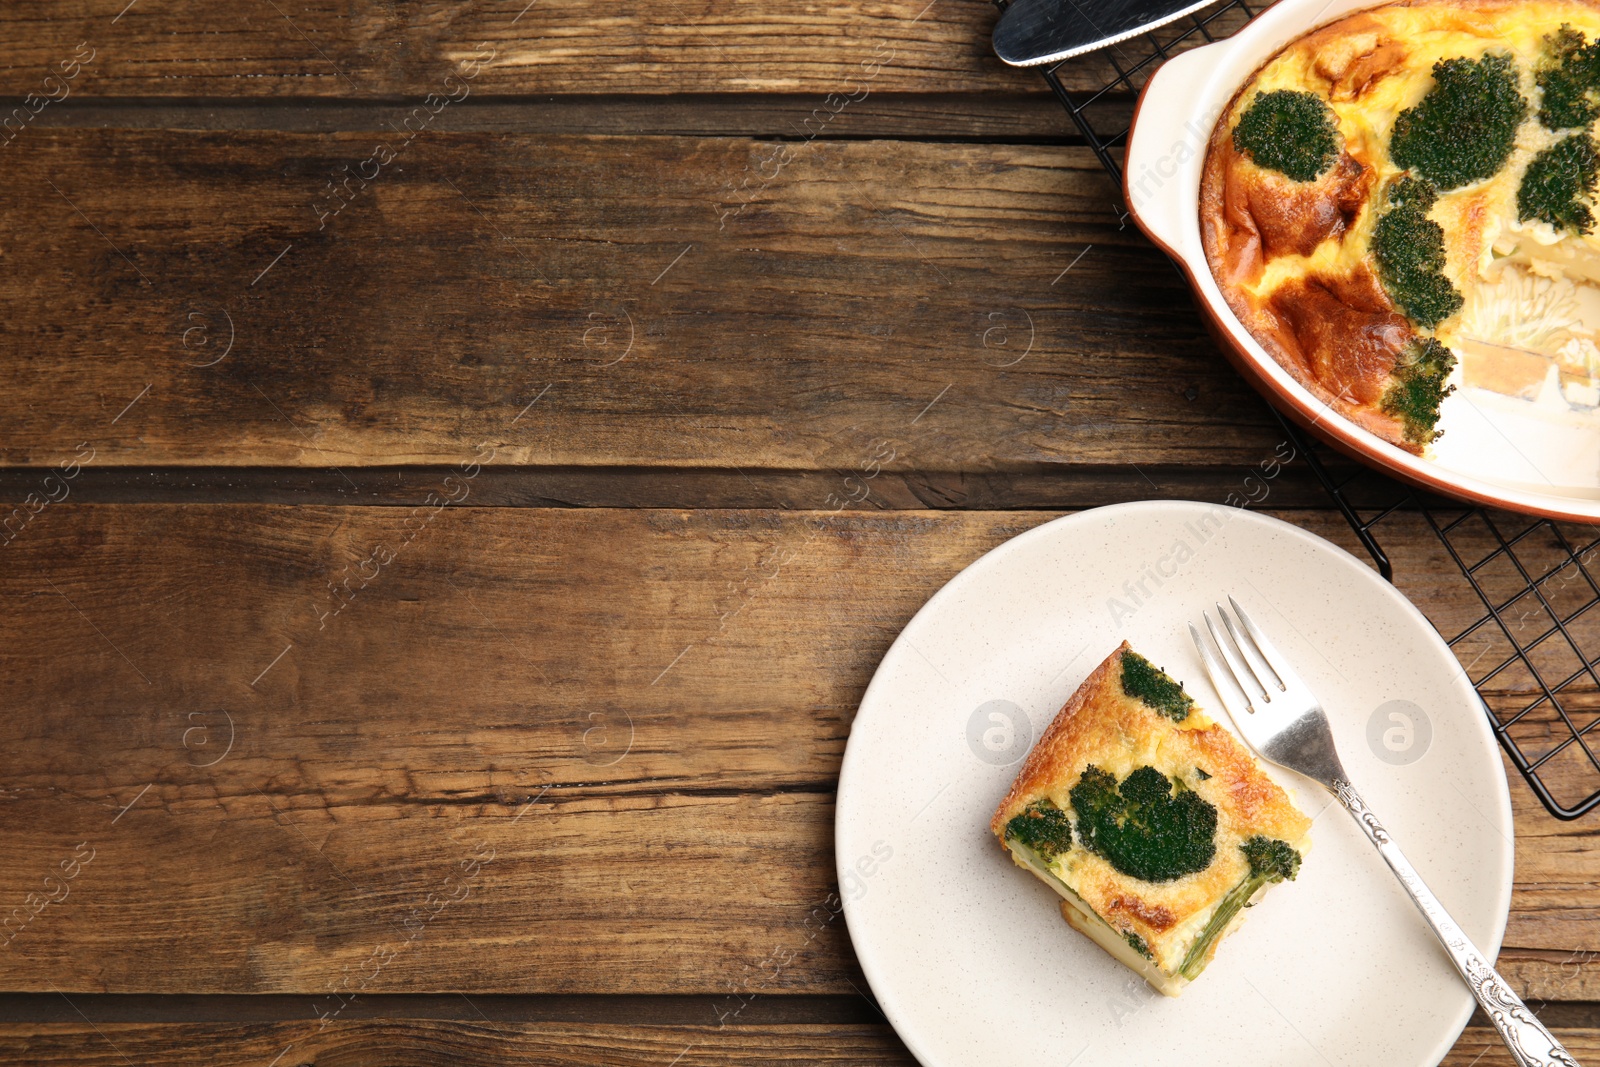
(979,307)
(660,259)
(455,1043)
(1482,1047)
(640,713)
(688,830)
(1011,117)
(344,48)
(467,1044)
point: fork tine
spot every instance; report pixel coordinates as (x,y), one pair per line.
(1263,671)
(1287,677)
(1240,671)
(1221,680)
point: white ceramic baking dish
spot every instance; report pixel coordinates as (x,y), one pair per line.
(1489,456)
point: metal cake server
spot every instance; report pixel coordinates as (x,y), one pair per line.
(1284,722)
(1032,32)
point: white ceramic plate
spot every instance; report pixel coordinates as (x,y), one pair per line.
(968,954)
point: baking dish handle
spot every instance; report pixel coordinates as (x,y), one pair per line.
(1166,149)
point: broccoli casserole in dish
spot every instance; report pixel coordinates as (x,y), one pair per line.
(1401,202)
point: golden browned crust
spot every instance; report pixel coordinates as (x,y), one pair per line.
(1103,726)
(1050,762)
(1340,330)
(1098,717)
(1249,216)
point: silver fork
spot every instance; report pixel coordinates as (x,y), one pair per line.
(1283,721)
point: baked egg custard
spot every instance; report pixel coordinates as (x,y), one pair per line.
(1403,202)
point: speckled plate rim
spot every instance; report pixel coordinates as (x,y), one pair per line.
(879,975)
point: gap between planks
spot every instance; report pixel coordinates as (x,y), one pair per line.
(1039,487)
(666,1010)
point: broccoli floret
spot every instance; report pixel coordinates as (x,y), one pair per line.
(1409,250)
(1414,396)
(1270,861)
(1143,828)
(1290,132)
(1557,182)
(1042,827)
(1569,80)
(1407,191)
(1463,130)
(1144,681)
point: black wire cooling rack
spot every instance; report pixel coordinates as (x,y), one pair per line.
(1533,615)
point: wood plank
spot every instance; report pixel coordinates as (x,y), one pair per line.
(455,1043)
(981,308)
(1013,117)
(1480,1046)
(591,695)
(1543,975)
(471,1043)
(340,48)
(683,682)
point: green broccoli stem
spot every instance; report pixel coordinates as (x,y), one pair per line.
(1195,960)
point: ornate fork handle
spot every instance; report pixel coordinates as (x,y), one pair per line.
(1524,1035)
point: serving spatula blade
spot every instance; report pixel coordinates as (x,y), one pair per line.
(1032,32)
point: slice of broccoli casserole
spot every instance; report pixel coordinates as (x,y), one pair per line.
(1154,824)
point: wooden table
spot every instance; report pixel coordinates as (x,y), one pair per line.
(464,462)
